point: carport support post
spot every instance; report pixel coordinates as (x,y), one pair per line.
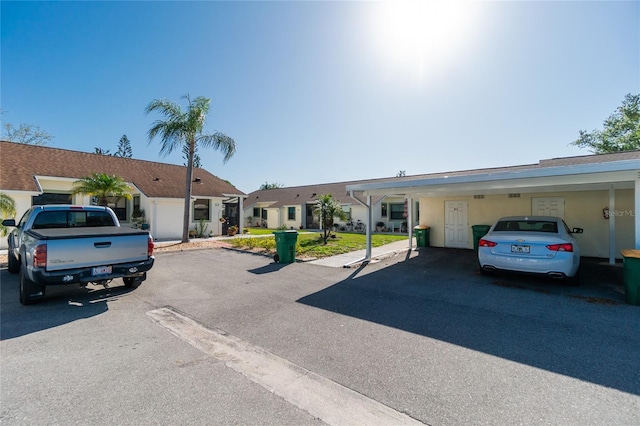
(240,221)
(410,221)
(368,230)
(612,226)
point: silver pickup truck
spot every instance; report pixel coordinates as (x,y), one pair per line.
(64,244)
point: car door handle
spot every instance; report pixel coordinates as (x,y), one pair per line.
(104,244)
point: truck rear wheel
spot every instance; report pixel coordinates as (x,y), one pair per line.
(14,263)
(30,292)
(133,282)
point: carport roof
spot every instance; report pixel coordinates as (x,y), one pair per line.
(298,195)
(570,173)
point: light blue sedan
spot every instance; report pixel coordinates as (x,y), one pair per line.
(532,244)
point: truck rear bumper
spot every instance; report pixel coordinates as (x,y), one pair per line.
(85,275)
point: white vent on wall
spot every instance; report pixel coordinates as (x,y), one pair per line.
(514,195)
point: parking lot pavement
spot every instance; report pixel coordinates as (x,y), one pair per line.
(422,333)
(600,281)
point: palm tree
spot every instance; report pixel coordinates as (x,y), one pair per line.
(103,186)
(327,208)
(7,209)
(186,129)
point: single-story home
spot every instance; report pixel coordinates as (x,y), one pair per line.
(293,206)
(33,174)
(600,193)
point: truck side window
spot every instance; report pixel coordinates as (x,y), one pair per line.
(23,219)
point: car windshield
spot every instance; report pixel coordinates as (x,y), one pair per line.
(526,226)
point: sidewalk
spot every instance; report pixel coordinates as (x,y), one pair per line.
(355,257)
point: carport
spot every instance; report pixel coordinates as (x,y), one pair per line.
(605,175)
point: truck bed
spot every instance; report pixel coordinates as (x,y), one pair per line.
(83,232)
(83,247)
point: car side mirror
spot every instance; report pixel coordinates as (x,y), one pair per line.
(577,231)
(9,222)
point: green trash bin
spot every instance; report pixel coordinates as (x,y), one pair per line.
(479,231)
(631,260)
(285,246)
(422,235)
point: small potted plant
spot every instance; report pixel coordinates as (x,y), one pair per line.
(137,217)
(380,227)
(232,230)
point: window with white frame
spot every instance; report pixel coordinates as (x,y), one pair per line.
(201,209)
(397,211)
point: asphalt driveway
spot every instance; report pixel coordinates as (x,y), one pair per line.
(422,333)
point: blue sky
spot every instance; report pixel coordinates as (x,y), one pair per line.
(325,91)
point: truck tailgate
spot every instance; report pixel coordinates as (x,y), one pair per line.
(88,247)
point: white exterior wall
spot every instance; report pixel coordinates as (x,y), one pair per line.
(164,215)
(273,218)
(23,203)
(582,209)
(284,217)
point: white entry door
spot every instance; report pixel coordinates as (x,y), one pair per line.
(548,206)
(456,226)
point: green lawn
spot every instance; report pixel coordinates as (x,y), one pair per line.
(311,244)
(259,231)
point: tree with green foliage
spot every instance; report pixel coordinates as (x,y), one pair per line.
(7,210)
(327,208)
(102,186)
(124,148)
(268,185)
(621,131)
(186,128)
(101,151)
(27,134)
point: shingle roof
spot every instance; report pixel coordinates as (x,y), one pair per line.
(20,163)
(296,195)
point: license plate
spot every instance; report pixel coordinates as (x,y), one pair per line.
(520,249)
(101,270)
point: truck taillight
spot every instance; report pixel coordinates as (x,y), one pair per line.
(486,243)
(561,247)
(150,247)
(40,256)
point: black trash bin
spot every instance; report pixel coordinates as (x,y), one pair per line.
(285,246)
(422,235)
(479,231)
